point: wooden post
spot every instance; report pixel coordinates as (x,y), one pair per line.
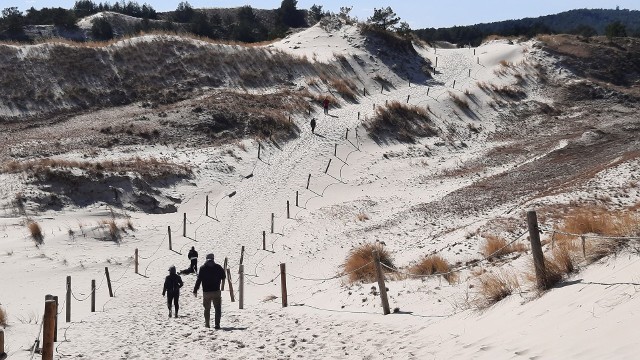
(364,91)
(308,181)
(381,284)
(206,209)
(469,72)
(272,221)
(296,198)
(335,150)
(428,91)
(93,296)
(241,287)
(106,272)
(329,164)
(259,148)
(374,106)
(381,88)
(408,96)
(241,254)
(454,84)
(55,330)
(584,249)
(184,225)
(225,269)
(474,52)
(346,135)
(283,284)
(135,260)
(478,60)
(169,233)
(68,300)
(48,329)
(233,299)
(264,240)
(289,209)
(2,342)
(436,62)
(536,249)
(358,115)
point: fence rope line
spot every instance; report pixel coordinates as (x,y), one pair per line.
(595,236)
(157,249)
(265,283)
(270,156)
(455,270)
(90,293)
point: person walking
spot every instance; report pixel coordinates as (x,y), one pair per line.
(210,275)
(172,285)
(193,256)
(313,125)
(325,105)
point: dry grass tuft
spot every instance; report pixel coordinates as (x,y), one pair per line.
(361,256)
(362,216)
(494,287)
(346,88)
(434,264)
(36,232)
(149,168)
(3,317)
(563,259)
(461,103)
(495,247)
(400,122)
(113,231)
(598,221)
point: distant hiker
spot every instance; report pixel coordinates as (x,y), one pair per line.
(313,125)
(325,104)
(210,275)
(172,285)
(193,256)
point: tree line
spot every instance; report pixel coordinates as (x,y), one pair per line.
(583,22)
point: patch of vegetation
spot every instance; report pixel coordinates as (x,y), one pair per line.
(434,264)
(360,262)
(400,122)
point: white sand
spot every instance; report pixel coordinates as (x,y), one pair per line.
(591,317)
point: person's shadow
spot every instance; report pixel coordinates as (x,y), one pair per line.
(318,135)
(231,328)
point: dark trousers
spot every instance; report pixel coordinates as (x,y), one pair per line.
(214,297)
(173,297)
(194,266)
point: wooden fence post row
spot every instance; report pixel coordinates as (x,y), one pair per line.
(68,300)
(283,284)
(106,272)
(48,329)
(383,288)
(225,269)
(241,287)
(536,249)
(233,299)
(184,225)
(2,353)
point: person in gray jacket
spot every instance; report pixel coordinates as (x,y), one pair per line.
(211,275)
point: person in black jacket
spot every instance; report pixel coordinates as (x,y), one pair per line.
(210,275)
(193,256)
(172,285)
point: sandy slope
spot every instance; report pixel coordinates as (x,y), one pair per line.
(588,317)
